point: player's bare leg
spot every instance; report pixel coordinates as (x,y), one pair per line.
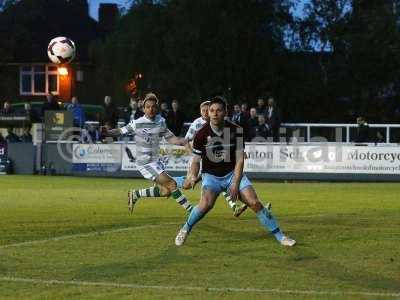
(206,203)
(249,196)
(166,187)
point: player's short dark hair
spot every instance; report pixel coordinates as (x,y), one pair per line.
(219,100)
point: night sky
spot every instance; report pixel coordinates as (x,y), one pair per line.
(94,6)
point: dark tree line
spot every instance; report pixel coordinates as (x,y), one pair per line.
(339,59)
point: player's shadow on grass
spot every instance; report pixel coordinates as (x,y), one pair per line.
(235,234)
(346,277)
(134,265)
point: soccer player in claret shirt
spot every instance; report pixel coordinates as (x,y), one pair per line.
(148,131)
(182,181)
(219,146)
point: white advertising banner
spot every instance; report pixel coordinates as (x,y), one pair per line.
(261,158)
(175,157)
(324,158)
(96,153)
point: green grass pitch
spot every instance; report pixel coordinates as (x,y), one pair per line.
(73,238)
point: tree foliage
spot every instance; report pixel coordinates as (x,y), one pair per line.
(362,39)
(194,49)
(339,58)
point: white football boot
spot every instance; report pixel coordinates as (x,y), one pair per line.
(287,241)
(181,237)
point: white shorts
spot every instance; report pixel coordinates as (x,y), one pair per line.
(152,170)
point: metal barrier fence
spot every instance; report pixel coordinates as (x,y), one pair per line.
(307,132)
(311,132)
(339,127)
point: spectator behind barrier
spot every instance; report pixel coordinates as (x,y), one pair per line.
(26,136)
(164,110)
(237,114)
(78,112)
(363,134)
(134,112)
(240,118)
(110,115)
(253,123)
(7,109)
(140,104)
(175,119)
(11,136)
(260,107)
(50,104)
(245,110)
(273,118)
(29,112)
(262,130)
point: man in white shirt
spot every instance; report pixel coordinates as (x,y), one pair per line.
(148,131)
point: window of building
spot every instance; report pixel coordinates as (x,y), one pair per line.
(38,80)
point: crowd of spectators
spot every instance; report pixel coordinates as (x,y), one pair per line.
(260,122)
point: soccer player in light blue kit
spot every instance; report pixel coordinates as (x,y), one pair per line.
(219,146)
(148,131)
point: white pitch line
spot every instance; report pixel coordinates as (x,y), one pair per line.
(79,235)
(311,216)
(196,288)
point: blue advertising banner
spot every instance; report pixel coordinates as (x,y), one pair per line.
(4,162)
(3,150)
(96,158)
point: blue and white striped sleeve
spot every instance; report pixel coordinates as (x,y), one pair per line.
(165,132)
(129,128)
(191,132)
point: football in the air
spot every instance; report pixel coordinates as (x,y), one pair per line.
(61,50)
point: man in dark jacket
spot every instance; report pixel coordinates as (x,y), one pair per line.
(260,107)
(26,136)
(110,115)
(29,112)
(252,123)
(164,110)
(11,136)
(262,129)
(273,118)
(175,119)
(51,104)
(240,119)
(7,109)
(363,135)
(135,111)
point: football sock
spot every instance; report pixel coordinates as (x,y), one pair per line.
(195,216)
(228,199)
(179,181)
(270,223)
(181,199)
(153,191)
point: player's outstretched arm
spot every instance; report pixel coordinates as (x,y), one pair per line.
(177,141)
(193,175)
(111,132)
(237,175)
